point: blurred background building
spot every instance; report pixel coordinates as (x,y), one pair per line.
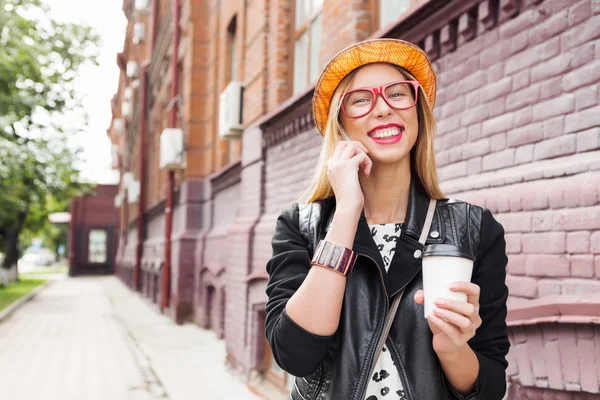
(213,136)
(92,225)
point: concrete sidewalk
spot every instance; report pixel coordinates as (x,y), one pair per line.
(92,338)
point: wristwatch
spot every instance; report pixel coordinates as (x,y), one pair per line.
(334,256)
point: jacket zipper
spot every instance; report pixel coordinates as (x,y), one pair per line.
(401,370)
(321,379)
(381,340)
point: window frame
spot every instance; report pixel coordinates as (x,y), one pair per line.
(412,6)
(297,32)
(278,380)
(106,246)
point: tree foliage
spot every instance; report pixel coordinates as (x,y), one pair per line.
(38,66)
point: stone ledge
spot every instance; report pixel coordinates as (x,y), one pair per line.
(562,309)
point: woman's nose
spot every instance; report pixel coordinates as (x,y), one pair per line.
(381,108)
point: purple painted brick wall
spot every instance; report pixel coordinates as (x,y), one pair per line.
(518,115)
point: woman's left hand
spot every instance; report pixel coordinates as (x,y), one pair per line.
(453,322)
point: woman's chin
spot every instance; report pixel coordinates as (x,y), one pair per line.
(389,155)
(389,159)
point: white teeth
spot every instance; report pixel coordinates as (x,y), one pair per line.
(386,133)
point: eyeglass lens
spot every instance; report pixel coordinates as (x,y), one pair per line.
(360,102)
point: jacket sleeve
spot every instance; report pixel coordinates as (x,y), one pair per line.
(295,350)
(490,342)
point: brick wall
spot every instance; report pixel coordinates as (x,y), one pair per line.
(517,133)
(344,23)
(554,356)
(279,53)
(241,238)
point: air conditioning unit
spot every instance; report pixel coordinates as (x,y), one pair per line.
(119,126)
(133,192)
(142,5)
(126,109)
(132,69)
(126,179)
(128,94)
(115,156)
(172,152)
(230,111)
(139,33)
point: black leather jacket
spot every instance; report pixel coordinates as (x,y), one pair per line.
(337,366)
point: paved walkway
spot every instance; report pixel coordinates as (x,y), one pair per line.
(92,338)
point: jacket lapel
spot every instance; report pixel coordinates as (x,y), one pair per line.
(406,263)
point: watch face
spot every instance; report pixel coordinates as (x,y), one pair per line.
(323,255)
(334,256)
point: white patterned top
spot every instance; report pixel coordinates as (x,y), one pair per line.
(385,383)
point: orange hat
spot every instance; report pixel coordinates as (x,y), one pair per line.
(393,51)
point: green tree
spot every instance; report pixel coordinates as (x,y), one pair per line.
(38,65)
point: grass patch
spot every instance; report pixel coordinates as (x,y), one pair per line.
(61,270)
(14,291)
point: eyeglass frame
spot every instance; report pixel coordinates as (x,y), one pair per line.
(380,90)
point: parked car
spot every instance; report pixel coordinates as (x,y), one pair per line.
(38,256)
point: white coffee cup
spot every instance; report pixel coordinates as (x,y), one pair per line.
(443,265)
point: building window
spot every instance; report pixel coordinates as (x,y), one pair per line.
(232,50)
(391,10)
(275,374)
(97,246)
(307,43)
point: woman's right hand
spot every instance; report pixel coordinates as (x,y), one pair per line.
(343,168)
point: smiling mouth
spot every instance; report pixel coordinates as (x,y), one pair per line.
(387,132)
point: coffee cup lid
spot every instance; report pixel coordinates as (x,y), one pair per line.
(447,250)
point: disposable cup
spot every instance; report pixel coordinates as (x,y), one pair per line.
(443,265)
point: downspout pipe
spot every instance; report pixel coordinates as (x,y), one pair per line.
(143,132)
(139,249)
(166,276)
(153,26)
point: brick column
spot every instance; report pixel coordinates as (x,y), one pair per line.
(240,237)
(186,225)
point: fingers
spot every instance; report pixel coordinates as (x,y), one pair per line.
(472,291)
(364,162)
(347,149)
(361,146)
(450,330)
(460,307)
(459,320)
(339,148)
(419,297)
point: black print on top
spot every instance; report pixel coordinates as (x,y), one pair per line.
(378,377)
(385,237)
(385,384)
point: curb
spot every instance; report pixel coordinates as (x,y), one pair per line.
(14,306)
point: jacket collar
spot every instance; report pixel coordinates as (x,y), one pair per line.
(405,265)
(416,212)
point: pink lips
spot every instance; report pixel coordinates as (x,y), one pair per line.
(391,140)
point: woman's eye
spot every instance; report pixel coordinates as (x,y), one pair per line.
(396,94)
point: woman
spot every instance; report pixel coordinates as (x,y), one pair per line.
(373,186)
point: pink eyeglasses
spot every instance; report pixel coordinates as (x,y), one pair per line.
(400,95)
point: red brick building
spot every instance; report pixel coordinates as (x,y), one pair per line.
(518,111)
(92,240)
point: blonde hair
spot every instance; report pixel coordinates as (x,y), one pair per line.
(422,155)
